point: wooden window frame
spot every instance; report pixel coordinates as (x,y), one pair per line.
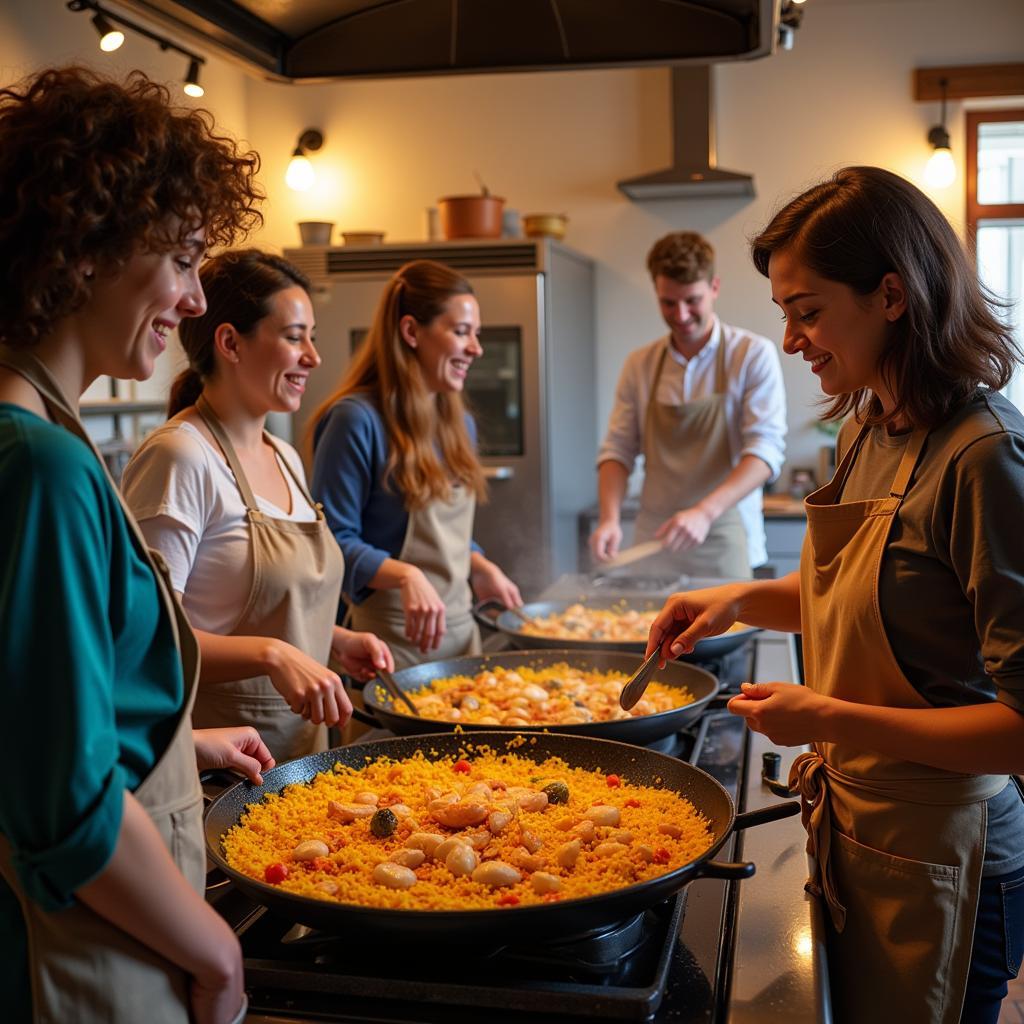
(986,211)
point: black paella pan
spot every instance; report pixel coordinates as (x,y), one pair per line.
(567,918)
(382,712)
(495,616)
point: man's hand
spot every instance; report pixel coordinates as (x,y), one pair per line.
(685,530)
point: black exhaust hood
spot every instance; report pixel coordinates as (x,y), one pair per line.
(325,40)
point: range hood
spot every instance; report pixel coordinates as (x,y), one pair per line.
(694,173)
(325,40)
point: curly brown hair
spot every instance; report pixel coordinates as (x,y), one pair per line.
(682,256)
(858,226)
(93,171)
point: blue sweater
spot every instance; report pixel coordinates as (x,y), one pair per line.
(349,460)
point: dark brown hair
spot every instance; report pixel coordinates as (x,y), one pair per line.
(93,171)
(427,440)
(683,256)
(238,285)
(864,223)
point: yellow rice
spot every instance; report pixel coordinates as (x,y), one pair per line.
(269,831)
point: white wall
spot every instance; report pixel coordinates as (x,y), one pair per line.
(560,142)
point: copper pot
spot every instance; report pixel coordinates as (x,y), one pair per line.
(476,216)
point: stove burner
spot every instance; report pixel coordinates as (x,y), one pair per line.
(618,972)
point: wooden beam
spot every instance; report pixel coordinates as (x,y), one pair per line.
(966,80)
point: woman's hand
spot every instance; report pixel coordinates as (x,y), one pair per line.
(490,583)
(424,610)
(311,689)
(787,713)
(605,540)
(217,997)
(239,749)
(690,616)
(360,654)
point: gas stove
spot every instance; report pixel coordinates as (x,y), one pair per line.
(719,951)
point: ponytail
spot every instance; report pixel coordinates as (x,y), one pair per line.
(185,390)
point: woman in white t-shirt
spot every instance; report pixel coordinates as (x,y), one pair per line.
(227,506)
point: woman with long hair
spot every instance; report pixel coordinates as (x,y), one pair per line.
(395,466)
(109,197)
(910,601)
(226,504)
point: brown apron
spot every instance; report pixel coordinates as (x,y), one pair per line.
(686,456)
(83,968)
(896,848)
(438,541)
(296,583)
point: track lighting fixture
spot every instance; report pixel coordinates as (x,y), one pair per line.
(111,37)
(192,86)
(300,175)
(940,171)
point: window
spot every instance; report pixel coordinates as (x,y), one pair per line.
(995,213)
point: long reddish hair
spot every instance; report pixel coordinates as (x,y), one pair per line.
(428,445)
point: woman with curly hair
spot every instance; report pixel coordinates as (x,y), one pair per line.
(396,469)
(108,199)
(227,506)
(910,601)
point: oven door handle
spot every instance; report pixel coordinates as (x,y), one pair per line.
(499,472)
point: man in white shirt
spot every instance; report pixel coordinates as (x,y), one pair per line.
(706,407)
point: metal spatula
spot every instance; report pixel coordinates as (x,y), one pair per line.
(637,683)
(397,693)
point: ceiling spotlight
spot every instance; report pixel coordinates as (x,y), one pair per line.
(110,38)
(300,175)
(940,171)
(192,86)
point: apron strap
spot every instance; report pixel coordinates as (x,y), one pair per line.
(908,463)
(220,435)
(654,390)
(721,381)
(300,484)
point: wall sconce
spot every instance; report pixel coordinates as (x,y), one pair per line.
(940,172)
(300,175)
(111,38)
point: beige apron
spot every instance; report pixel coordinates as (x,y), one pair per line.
(686,456)
(296,583)
(896,848)
(83,968)
(438,541)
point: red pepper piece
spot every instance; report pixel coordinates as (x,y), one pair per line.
(632,802)
(613,781)
(275,873)
(462,766)
(509,899)
(661,855)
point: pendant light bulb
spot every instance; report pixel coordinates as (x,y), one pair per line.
(110,38)
(940,172)
(192,86)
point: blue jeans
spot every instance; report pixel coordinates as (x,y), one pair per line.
(998,946)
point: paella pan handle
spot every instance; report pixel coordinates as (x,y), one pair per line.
(359,715)
(481,608)
(773,812)
(729,871)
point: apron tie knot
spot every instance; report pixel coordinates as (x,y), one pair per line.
(809,777)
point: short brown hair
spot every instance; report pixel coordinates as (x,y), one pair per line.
(866,222)
(92,171)
(682,256)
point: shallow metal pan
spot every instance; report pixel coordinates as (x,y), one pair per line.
(496,616)
(382,712)
(563,919)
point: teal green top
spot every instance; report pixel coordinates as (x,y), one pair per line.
(90,676)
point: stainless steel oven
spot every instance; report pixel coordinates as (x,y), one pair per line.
(532,392)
